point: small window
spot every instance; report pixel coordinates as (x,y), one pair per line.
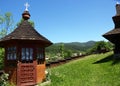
(27,54)
(11,53)
(40,55)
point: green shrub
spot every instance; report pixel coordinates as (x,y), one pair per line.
(4,80)
(68,54)
(1,58)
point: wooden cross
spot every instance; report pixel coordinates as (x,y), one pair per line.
(26,6)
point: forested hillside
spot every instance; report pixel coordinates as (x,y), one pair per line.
(73,46)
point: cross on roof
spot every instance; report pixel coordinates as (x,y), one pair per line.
(118,1)
(26,6)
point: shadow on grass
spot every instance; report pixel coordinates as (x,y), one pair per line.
(116,61)
(107,59)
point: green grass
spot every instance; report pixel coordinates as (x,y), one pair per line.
(93,70)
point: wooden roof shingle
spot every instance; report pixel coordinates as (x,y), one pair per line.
(113,32)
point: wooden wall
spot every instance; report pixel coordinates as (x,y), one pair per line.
(40,69)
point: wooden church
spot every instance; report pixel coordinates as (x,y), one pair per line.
(114,35)
(25,54)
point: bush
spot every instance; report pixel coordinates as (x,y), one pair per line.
(68,54)
(4,80)
(1,58)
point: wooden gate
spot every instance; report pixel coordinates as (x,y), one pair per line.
(26,68)
(26,74)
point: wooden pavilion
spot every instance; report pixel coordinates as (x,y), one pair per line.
(25,54)
(114,35)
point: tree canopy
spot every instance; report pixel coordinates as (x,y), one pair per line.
(101,47)
(30,21)
(6,24)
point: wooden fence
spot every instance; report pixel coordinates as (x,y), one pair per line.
(60,62)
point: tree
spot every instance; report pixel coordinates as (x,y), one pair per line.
(68,54)
(62,50)
(31,22)
(6,24)
(101,47)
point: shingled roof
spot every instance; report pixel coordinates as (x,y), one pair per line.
(113,35)
(112,32)
(25,31)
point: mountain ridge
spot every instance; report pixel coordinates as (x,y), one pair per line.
(73,46)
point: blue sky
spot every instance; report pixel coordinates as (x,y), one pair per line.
(66,20)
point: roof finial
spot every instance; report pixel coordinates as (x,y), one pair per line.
(26,14)
(26,6)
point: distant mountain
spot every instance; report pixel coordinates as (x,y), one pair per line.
(74,46)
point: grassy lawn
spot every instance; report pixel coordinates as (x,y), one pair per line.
(93,70)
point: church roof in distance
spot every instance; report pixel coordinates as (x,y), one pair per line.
(115,33)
